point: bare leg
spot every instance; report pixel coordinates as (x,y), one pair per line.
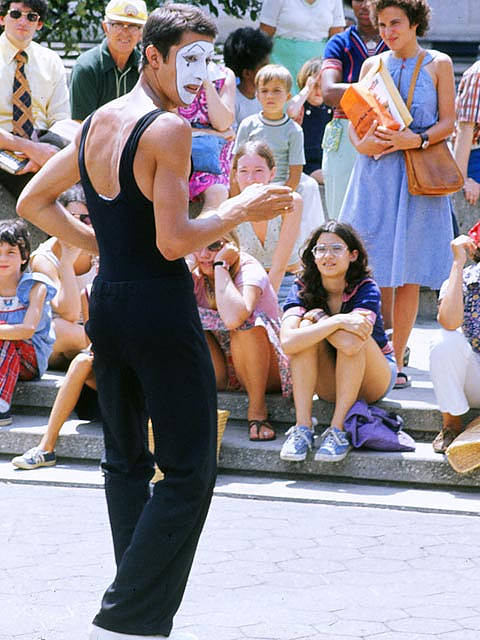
(388,295)
(70,340)
(257,370)
(214,196)
(404,315)
(218,359)
(312,369)
(364,374)
(79,372)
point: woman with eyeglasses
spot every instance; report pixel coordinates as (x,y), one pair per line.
(240,316)
(332,331)
(71,270)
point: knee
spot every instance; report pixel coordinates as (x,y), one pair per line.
(446,345)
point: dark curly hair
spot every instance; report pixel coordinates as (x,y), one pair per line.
(246,48)
(417,12)
(313,294)
(14,232)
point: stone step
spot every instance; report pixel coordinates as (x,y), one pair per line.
(415,404)
(80,440)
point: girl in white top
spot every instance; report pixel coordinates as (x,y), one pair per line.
(274,243)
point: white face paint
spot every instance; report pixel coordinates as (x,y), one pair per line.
(191,66)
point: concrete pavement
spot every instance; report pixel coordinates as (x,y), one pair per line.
(270,569)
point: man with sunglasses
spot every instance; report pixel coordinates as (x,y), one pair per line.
(110,69)
(46,85)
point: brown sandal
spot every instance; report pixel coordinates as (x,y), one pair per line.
(258,425)
(444,439)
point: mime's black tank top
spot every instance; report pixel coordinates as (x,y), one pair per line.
(125,225)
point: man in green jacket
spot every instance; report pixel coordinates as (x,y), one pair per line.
(110,69)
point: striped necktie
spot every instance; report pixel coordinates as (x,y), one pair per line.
(22,99)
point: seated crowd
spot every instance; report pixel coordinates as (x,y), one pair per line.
(247,128)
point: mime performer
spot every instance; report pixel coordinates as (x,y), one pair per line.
(151,359)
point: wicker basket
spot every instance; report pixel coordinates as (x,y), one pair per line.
(464,452)
(222,417)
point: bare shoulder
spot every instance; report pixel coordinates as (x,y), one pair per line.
(168,132)
(440,60)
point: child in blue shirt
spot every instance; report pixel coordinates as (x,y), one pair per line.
(285,137)
(26,334)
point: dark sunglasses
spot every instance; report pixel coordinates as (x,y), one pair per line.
(216,246)
(15,14)
(83,217)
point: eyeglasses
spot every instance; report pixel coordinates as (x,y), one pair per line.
(216,246)
(337,249)
(119,26)
(15,14)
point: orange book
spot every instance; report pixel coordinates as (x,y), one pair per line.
(362,107)
(375,97)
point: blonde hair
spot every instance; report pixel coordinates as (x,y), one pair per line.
(229,236)
(309,68)
(254,147)
(274,72)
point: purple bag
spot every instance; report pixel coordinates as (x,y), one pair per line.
(372,427)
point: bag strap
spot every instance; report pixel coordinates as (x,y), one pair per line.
(413,82)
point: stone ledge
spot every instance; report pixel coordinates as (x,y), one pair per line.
(416,405)
(81,440)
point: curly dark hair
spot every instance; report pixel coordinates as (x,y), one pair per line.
(14,232)
(313,294)
(417,12)
(246,48)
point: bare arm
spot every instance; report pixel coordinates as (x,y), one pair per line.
(267,29)
(333,30)
(294,176)
(37,152)
(66,301)
(221,106)
(234,305)
(26,329)
(38,201)
(332,86)
(295,104)
(286,241)
(463,145)
(346,330)
(450,310)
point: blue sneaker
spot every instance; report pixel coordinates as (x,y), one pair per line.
(335,446)
(298,443)
(34,458)
(5,418)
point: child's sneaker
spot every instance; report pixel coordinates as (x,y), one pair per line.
(335,446)
(34,458)
(298,443)
(5,418)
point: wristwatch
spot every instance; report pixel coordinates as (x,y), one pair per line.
(425,141)
(221,263)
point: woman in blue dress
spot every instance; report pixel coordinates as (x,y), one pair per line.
(407,237)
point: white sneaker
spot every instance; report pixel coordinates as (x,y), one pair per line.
(97,633)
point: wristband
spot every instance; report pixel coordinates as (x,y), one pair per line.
(221,263)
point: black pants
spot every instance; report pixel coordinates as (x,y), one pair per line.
(151,359)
